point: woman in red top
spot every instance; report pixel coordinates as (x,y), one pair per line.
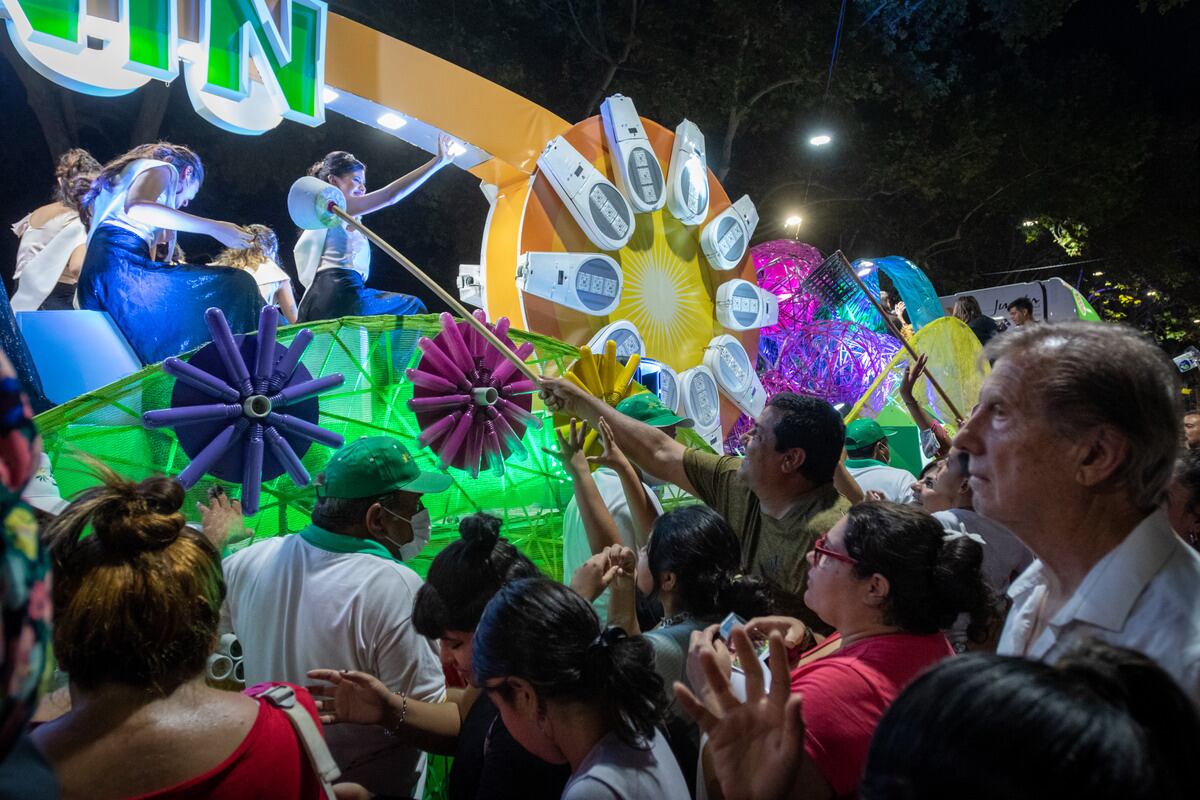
(136,604)
(889,579)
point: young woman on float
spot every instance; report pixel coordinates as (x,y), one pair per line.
(334,263)
(137,202)
(54,238)
(261,260)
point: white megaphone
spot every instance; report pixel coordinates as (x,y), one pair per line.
(309,202)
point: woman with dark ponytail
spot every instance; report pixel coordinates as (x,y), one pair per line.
(334,263)
(693,566)
(572,693)
(130,268)
(890,580)
(488,762)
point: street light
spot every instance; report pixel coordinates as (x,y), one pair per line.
(1098,273)
(820,140)
(792,225)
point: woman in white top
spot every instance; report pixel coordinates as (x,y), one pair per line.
(571,693)
(334,263)
(261,260)
(54,238)
(159,306)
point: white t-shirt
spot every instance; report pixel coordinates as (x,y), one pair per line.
(338,247)
(1144,595)
(269,277)
(576,549)
(613,770)
(42,256)
(317,599)
(874,476)
(109,206)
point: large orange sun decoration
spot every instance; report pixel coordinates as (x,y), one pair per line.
(623,234)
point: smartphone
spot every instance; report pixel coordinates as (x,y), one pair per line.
(761,645)
(728,624)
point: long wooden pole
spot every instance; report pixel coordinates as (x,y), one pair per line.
(445,296)
(937,387)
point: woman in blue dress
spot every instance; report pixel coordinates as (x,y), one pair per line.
(137,204)
(334,263)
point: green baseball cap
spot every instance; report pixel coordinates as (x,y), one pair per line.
(646,407)
(375,465)
(864,433)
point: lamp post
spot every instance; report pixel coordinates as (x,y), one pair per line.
(792,225)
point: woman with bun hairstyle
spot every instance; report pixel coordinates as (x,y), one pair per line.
(136,605)
(261,260)
(137,204)
(488,762)
(693,566)
(572,693)
(54,238)
(890,580)
(334,263)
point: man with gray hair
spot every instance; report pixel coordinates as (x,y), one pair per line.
(1072,447)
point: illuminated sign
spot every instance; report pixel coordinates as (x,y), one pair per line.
(116,47)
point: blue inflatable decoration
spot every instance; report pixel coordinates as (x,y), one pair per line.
(230,392)
(920,299)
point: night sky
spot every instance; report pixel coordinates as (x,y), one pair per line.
(442,225)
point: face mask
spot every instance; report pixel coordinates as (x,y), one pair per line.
(421,528)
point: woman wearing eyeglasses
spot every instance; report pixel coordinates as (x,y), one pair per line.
(890,580)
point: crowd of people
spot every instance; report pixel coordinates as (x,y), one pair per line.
(1020,619)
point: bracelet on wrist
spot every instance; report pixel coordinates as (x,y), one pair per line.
(394,728)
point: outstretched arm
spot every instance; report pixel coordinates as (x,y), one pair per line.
(403,186)
(363,699)
(919,416)
(597,520)
(142,205)
(648,447)
(641,510)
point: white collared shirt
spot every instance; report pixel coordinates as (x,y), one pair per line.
(335,602)
(1144,595)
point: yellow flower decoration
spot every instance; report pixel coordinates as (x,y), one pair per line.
(23,525)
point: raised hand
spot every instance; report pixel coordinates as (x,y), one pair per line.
(706,646)
(612,457)
(563,397)
(570,448)
(232,236)
(594,576)
(911,375)
(791,629)
(448,148)
(755,748)
(221,518)
(353,697)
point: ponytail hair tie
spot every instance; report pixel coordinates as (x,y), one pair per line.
(962,533)
(609,636)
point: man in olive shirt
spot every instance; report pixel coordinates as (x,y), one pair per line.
(778,499)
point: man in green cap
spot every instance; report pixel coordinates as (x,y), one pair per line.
(337,595)
(868,454)
(617,485)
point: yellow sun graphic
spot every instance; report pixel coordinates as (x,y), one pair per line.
(662,296)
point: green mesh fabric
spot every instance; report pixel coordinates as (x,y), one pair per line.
(372,353)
